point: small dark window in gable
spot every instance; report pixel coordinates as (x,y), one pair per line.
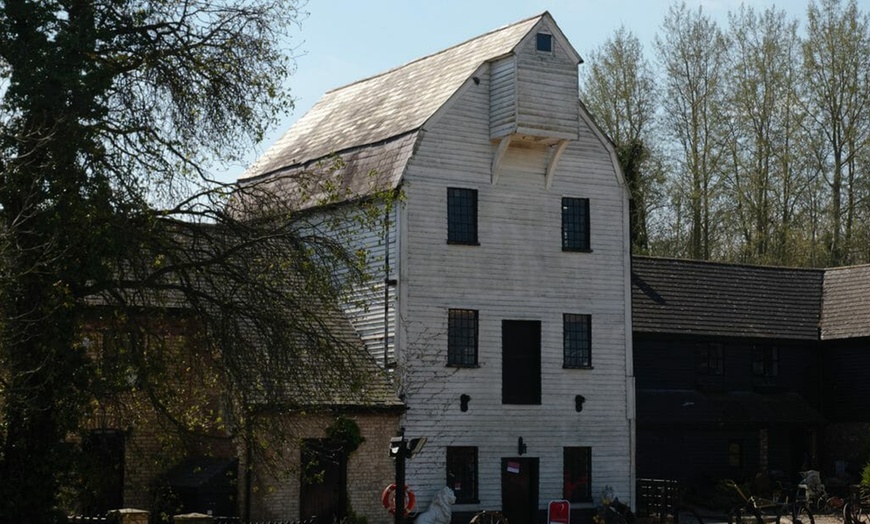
(461,216)
(575,224)
(545,43)
(577,340)
(462,337)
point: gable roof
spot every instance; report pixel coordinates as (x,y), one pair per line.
(846,306)
(704,298)
(389,105)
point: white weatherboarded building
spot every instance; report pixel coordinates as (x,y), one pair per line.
(506,314)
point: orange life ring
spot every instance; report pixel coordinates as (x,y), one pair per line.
(388,499)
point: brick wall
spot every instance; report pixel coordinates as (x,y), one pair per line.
(369,470)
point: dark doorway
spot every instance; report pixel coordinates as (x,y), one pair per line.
(323,482)
(521,362)
(206,485)
(103,471)
(519,489)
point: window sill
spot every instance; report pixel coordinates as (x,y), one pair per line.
(576,250)
(460,366)
(579,367)
(458,243)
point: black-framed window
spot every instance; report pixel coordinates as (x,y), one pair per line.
(735,454)
(544,42)
(765,362)
(462,473)
(575,224)
(117,354)
(462,337)
(461,216)
(577,340)
(709,359)
(577,465)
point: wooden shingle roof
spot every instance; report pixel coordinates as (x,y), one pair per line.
(704,298)
(846,307)
(392,104)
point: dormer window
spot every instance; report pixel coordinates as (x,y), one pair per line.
(545,43)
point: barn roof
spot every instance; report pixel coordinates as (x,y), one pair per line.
(846,306)
(704,298)
(376,110)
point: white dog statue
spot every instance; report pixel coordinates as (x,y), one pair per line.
(440,510)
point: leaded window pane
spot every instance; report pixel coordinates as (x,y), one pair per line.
(577,341)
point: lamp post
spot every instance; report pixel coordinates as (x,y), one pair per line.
(401,450)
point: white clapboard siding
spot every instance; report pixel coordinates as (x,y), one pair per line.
(364,306)
(518,272)
(534,93)
(503,97)
(546,91)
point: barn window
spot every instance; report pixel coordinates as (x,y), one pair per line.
(575,224)
(577,340)
(735,454)
(545,43)
(461,216)
(765,362)
(577,464)
(708,359)
(462,473)
(521,362)
(462,337)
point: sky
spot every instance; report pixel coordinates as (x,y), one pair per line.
(342,41)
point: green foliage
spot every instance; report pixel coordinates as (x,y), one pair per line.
(353,518)
(757,134)
(345,432)
(865,476)
(111,110)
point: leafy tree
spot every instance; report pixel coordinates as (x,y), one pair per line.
(764,178)
(619,89)
(111,111)
(836,64)
(692,51)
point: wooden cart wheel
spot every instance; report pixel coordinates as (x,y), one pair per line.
(489,517)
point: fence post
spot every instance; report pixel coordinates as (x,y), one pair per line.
(129,516)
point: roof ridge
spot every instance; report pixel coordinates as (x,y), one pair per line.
(728,264)
(440,52)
